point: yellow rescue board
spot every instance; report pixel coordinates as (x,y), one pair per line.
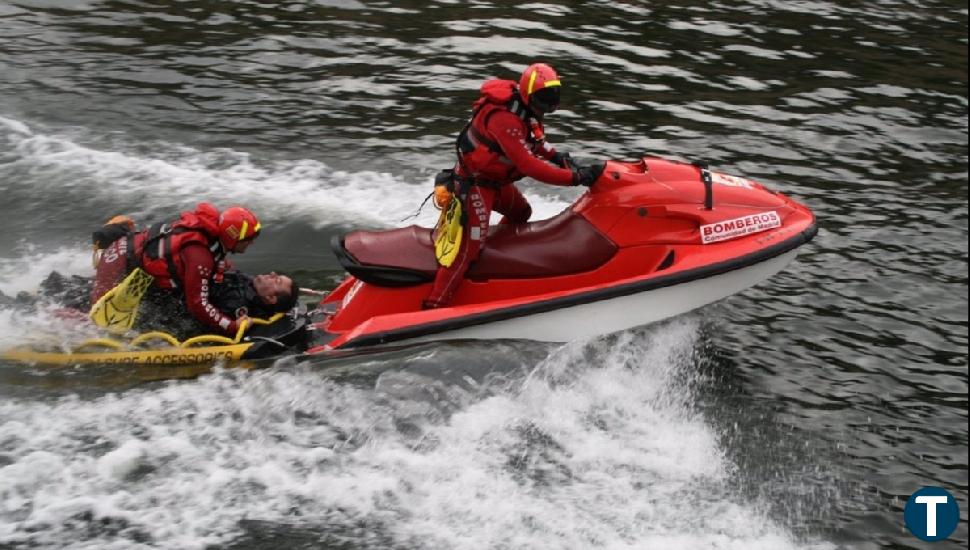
(205,348)
(165,356)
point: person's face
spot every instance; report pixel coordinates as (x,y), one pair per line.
(269,286)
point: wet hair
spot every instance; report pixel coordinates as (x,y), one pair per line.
(286,302)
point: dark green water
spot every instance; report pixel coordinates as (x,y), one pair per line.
(801,413)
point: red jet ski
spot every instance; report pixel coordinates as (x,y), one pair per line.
(649,240)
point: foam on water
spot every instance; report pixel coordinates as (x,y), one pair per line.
(148,180)
(573,455)
(41,327)
(24,273)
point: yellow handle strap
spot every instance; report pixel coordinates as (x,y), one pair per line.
(210,339)
(225,340)
(154,335)
(173,341)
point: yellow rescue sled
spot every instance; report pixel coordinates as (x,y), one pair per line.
(153,348)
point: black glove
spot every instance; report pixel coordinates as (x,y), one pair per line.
(563,160)
(587,175)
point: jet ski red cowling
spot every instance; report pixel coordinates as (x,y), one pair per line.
(643,226)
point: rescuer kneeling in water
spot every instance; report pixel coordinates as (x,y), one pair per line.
(503,142)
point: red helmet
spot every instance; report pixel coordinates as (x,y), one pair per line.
(539,88)
(237,224)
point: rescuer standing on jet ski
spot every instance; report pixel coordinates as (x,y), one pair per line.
(184,258)
(503,142)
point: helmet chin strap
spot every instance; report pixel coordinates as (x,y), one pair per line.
(523,111)
(217,249)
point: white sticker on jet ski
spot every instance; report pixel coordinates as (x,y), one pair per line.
(745,225)
(733,181)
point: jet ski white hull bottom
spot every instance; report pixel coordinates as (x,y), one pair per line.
(619,313)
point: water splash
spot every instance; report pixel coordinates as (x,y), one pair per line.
(597,445)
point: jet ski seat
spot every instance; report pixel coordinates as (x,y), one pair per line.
(561,245)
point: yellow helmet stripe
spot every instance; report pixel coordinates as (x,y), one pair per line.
(532,83)
(242,232)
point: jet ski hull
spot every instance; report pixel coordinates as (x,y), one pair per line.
(592,315)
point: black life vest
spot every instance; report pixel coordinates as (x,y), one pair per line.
(236,295)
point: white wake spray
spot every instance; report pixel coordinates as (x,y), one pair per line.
(574,455)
